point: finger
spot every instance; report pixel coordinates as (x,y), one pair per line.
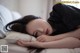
(39,38)
(19,43)
(43,35)
(42,40)
(25,43)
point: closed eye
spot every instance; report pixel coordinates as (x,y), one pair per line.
(35,33)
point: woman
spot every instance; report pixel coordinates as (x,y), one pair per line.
(61,30)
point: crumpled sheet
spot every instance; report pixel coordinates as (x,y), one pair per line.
(12,48)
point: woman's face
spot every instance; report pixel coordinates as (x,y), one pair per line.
(38,27)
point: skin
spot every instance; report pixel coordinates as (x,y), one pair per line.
(39,27)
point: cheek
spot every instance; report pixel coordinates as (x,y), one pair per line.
(43,25)
(30,30)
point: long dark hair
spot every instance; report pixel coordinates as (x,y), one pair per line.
(20,26)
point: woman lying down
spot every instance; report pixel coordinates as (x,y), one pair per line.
(60,30)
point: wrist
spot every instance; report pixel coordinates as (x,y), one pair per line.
(36,44)
(58,37)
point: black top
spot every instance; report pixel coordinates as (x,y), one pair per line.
(64,18)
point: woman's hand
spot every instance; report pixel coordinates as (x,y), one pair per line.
(28,43)
(46,38)
(23,43)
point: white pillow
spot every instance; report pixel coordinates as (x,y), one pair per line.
(12,37)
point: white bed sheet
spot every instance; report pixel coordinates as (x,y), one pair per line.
(18,49)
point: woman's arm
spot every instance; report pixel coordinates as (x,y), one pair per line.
(66,40)
(47,38)
(75,33)
(69,42)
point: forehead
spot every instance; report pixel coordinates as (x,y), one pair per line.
(33,25)
(35,22)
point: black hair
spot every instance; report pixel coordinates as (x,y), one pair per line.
(19,25)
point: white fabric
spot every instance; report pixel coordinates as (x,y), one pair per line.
(2,35)
(5,17)
(63,50)
(16,15)
(1,24)
(13,48)
(12,37)
(5,14)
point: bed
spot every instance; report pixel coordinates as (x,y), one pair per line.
(5,37)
